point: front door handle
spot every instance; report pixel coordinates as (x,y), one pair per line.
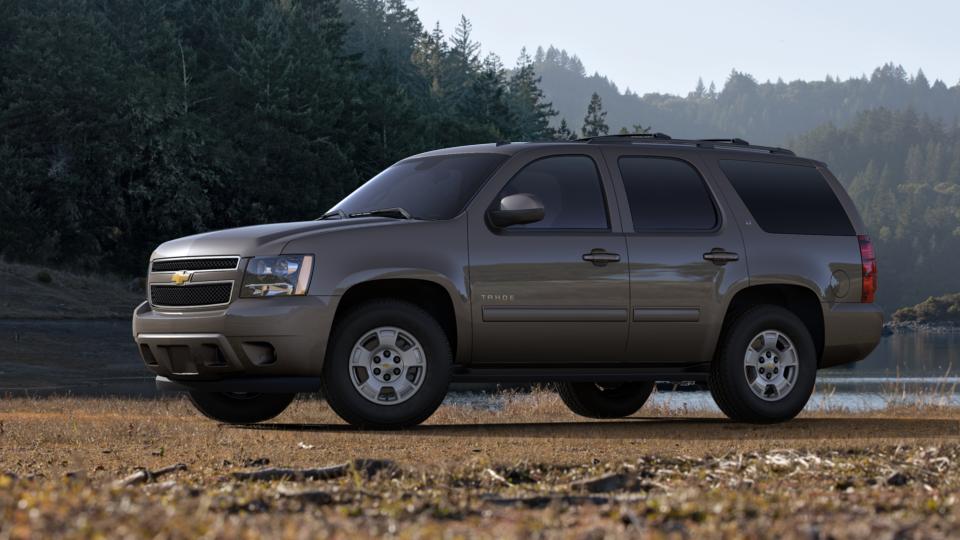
(720,257)
(600,257)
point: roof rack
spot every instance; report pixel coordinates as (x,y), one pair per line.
(622,136)
(662,138)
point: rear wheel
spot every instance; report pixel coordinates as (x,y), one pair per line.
(605,400)
(240,407)
(766,367)
(389,365)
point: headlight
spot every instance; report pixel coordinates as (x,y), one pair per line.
(284,275)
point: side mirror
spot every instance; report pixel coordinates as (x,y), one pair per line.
(516,209)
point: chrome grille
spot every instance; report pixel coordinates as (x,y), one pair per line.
(201,294)
(174,265)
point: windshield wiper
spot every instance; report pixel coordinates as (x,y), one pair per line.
(398,213)
(339,214)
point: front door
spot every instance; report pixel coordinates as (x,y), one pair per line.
(555,291)
(686,255)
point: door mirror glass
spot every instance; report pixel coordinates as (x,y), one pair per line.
(517,209)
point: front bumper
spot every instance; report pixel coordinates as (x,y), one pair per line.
(851,332)
(252,337)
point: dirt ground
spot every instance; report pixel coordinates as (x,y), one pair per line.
(526,468)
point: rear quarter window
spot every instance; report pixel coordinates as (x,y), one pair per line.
(788,199)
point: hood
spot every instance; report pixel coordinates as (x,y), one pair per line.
(259,239)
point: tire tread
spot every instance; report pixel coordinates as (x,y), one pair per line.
(348,413)
(722,390)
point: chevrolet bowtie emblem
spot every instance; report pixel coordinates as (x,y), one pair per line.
(181,277)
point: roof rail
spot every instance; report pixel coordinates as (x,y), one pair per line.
(734,143)
(735,140)
(621,136)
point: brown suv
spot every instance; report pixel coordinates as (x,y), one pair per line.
(601,265)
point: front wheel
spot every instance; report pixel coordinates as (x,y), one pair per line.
(240,407)
(604,400)
(766,367)
(388,366)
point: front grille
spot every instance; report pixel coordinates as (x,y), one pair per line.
(173,265)
(190,295)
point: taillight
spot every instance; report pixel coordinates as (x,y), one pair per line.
(868,262)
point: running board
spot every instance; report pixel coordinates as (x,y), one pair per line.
(544,374)
(261,385)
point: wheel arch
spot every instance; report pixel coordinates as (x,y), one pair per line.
(432,295)
(799,300)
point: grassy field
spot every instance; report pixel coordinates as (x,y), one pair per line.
(34,292)
(75,468)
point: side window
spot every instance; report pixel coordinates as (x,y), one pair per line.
(788,199)
(569,188)
(666,194)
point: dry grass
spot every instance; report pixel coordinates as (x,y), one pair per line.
(67,296)
(471,472)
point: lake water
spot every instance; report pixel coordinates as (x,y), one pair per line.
(99,357)
(905,369)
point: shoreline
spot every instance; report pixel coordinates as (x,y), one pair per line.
(891,328)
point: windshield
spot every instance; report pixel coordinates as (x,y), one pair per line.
(435,187)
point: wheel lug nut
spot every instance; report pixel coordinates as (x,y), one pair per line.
(376,371)
(776,370)
(386,377)
(769,375)
(396,371)
(386,354)
(376,359)
(761,360)
(396,359)
(761,371)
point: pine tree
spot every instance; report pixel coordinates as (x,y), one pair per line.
(700,91)
(531,111)
(563,132)
(594,123)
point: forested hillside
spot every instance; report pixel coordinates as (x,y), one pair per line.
(123,124)
(761,112)
(903,171)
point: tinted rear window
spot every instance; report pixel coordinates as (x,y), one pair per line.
(788,199)
(429,188)
(666,194)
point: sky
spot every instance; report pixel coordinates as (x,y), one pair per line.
(663,46)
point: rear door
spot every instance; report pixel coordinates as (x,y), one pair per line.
(686,254)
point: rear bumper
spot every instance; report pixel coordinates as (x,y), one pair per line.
(276,337)
(851,332)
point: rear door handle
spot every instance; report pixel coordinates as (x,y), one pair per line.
(600,257)
(720,257)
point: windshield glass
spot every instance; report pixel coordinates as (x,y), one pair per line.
(435,187)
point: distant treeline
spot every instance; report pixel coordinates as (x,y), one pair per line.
(123,124)
(902,170)
(769,113)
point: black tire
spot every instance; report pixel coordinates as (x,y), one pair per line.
(594,400)
(240,408)
(728,381)
(338,386)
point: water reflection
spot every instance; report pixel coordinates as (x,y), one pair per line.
(914,369)
(914,354)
